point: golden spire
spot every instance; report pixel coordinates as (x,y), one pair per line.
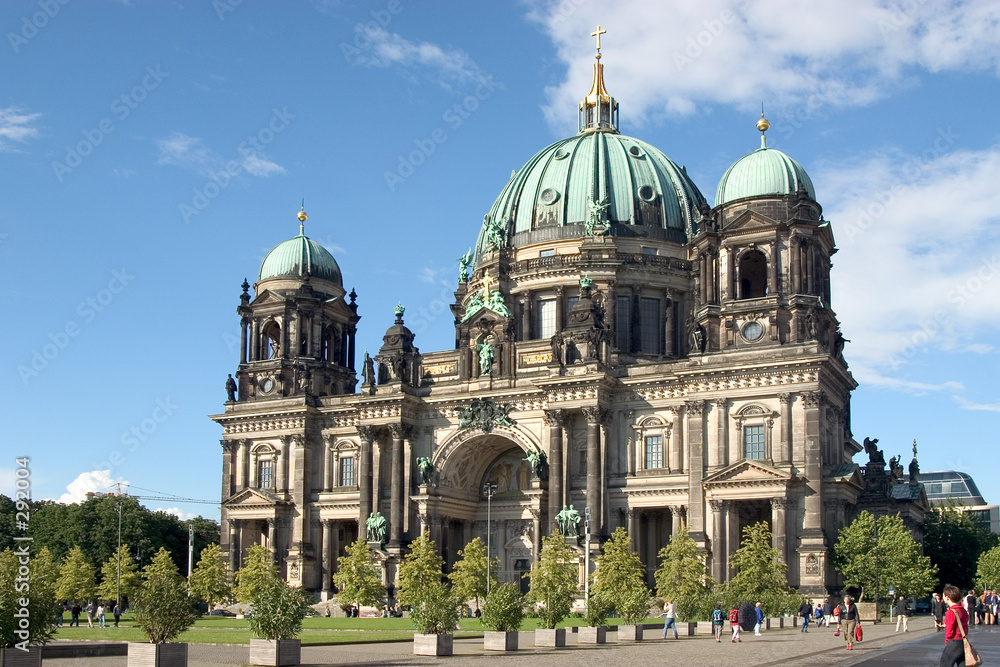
(302,218)
(598,111)
(762,126)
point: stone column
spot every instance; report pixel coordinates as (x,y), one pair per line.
(718,508)
(560,309)
(244,463)
(722,431)
(326,556)
(536,532)
(813,464)
(785,448)
(243,340)
(732,536)
(368,435)
(632,526)
(595,416)
(676,520)
(227,468)
(282,465)
(272,533)
(676,441)
(327,467)
(696,467)
(556,420)
(396,490)
(778,526)
(526,315)
(712,436)
(668,323)
(235,544)
(334,558)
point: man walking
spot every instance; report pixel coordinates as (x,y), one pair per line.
(937,610)
(74,615)
(118,612)
(670,612)
(902,613)
(970,606)
(828,612)
(760,619)
(717,619)
(805,611)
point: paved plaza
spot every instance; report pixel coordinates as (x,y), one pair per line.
(882,646)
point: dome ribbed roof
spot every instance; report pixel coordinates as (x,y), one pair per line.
(641,185)
(764,172)
(300,256)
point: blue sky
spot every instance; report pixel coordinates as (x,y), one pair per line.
(152,152)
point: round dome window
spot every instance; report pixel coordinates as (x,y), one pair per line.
(549,196)
(753,331)
(635,151)
(562,154)
(647,193)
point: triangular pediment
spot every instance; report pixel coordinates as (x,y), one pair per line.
(750,221)
(749,471)
(252,498)
(266,297)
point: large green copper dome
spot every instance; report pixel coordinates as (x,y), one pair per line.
(298,257)
(641,186)
(764,172)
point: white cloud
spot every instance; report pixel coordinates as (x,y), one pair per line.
(969,405)
(181,150)
(7,479)
(177,512)
(94,481)
(664,58)
(16,126)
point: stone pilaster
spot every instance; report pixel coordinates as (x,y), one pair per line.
(595,417)
(695,465)
(556,420)
(368,435)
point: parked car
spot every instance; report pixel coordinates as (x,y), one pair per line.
(221,612)
(922,606)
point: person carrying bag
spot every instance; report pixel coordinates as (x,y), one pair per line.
(957,649)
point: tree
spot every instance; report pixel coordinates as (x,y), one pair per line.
(954,540)
(618,574)
(988,570)
(358,578)
(163,609)
(683,577)
(760,574)
(130,579)
(278,610)
(211,580)
(257,570)
(76,577)
(434,607)
(473,575)
(31,601)
(553,580)
(895,557)
(504,608)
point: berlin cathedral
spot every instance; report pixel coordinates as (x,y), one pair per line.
(622,349)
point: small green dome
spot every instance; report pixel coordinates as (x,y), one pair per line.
(765,172)
(300,256)
(642,187)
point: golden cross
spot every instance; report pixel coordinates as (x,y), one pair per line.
(598,34)
(486,284)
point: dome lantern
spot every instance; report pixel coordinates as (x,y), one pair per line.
(300,257)
(598,110)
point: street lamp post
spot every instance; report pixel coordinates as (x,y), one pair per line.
(489,489)
(875,536)
(118,583)
(586,556)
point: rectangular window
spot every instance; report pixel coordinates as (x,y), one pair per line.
(654,451)
(546,318)
(648,251)
(582,467)
(570,302)
(934,488)
(623,323)
(347,471)
(650,329)
(754,446)
(547,253)
(265,474)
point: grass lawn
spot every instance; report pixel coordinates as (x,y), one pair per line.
(315,630)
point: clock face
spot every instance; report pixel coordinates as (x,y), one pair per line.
(267,385)
(753,331)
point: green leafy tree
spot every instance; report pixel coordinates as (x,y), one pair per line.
(278,610)
(633,606)
(760,574)
(121,561)
(504,608)
(163,608)
(954,540)
(258,569)
(473,575)
(553,580)
(683,577)
(39,592)
(358,578)
(895,557)
(76,577)
(988,570)
(211,580)
(618,572)
(433,605)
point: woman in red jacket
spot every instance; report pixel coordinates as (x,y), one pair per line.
(954,648)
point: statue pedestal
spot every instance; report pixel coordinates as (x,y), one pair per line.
(572,540)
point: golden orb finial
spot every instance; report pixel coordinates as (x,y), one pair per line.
(302,216)
(762,126)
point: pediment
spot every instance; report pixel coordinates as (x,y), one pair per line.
(250,498)
(266,297)
(749,471)
(750,221)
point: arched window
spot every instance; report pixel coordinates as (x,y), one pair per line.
(271,340)
(753,274)
(265,464)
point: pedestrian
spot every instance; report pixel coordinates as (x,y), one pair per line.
(117,611)
(717,619)
(760,619)
(100,615)
(937,610)
(90,614)
(60,610)
(734,620)
(818,616)
(670,612)
(848,614)
(954,647)
(970,606)
(828,608)
(74,615)
(902,613)
(981,610)
(806,612)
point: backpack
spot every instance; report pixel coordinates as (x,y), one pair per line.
(734,615)
(717,617)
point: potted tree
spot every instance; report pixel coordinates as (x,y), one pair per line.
(504,611)
(433,606)
(553,587)
(359,577)
(278,610)
(162,610)
(618,578)
(595,632)
(21,646)
(633,607)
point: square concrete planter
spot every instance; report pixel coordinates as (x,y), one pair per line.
(590,635)
(500,641)
(276,653)
(556,638)
(171,654)
(13,657)
(630,633)
(442,644)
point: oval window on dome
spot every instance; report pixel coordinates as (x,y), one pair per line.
(562,154)
(549,196)
(647,193)
(635,151)
(752,331)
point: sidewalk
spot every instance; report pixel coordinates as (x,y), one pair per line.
(775,647)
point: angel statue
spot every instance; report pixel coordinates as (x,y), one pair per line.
(463,267)
(594,224)
(426,469)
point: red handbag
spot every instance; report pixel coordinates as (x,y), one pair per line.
(858,633)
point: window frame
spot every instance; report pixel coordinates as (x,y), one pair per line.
(755,415)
